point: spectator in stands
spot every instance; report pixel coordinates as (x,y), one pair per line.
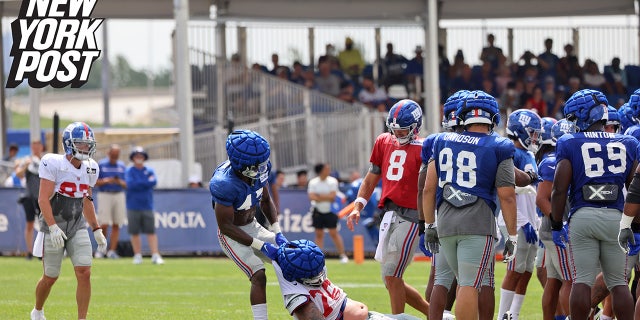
(568,66)
(297,73)
(593,79)
(275,61)
(443,72)
(14,180)
(322,192)
(394,67)
(530,83)
(13,152)
(464,81)
(351,60)
(486,73)
(488,86)
(458,66)
(503,77)
(616,76)
(347,92)
(574,86)
(537,103)
(140,183)
(282,73)
(302,179)
(553,98)
(330,56)
(309,79)
(525,66)
(415,70)
(547,61)
(374,97)
(326,81)
(509,100)
(111,185)
(195,182)
(492,54)
(30,168)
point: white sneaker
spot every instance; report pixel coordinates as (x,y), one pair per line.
(157,259)
(112,255)
(447,315)
(98,255)
(344,259)
(137,259)
(37,315)
(507,316)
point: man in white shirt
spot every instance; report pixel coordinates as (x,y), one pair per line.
(322,192)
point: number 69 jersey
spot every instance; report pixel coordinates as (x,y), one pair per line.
(469,162)
(400,166)
(601,163)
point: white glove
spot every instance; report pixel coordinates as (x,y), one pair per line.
(57,236)
(100,240)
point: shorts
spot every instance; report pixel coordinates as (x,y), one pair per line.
(246,258)
(78,249)
(141,221)
(593,240)
(559,261)
(324,220)
(471,259)
(31,208)
(399,243)
(525,255)
(111,208)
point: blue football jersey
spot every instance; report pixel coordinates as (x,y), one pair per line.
(597,158)
(427,147)
(634,131)
(469,161)
(525,160)
(228,189)
(547,167)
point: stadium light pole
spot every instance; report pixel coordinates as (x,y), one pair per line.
(3,109)
(182,85)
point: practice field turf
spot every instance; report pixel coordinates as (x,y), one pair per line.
(196,288)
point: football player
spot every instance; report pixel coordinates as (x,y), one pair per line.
(238,186)
(462,183)
(307,291)
(558,279)
(524,129)
(396,160)
(632,107)
(66,205)
(592,167)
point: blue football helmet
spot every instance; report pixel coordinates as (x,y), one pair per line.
(614,118)
(545,134)
(302,261)
(561,128)
(586,107)
(526,126)
(248,153)
(478,107)
(449,119)
(78,140)
(405,115)
(627,119)
(634,102)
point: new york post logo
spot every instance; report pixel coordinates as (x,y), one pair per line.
(54,43)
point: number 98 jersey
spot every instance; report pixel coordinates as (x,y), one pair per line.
(400,166)
(597,159)
(469,162)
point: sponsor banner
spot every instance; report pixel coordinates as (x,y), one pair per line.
(185,222)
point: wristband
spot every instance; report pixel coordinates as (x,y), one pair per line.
(275,227)
(555,225)
(257,244)
(513,238)
(361,200)
(96,228)
(625,222)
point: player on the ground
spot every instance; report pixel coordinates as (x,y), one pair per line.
(464,175)
(396,160)
(524,129)
(558,263)
(238,186)
(307,291)
(66,206)
(592,167)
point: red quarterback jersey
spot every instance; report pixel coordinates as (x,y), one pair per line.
(400,166)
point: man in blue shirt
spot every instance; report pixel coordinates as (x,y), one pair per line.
(111,199)
(140,181)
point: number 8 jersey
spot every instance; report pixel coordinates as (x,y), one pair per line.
(598,159)
(400,166)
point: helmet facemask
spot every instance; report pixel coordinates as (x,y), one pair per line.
(315,281)
(254,172)
(402,140)
(83,149)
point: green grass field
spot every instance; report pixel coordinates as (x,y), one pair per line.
(196,288)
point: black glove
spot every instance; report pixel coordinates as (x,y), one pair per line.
(431,240)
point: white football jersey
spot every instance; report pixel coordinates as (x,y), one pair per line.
(328,298)
(70,181)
